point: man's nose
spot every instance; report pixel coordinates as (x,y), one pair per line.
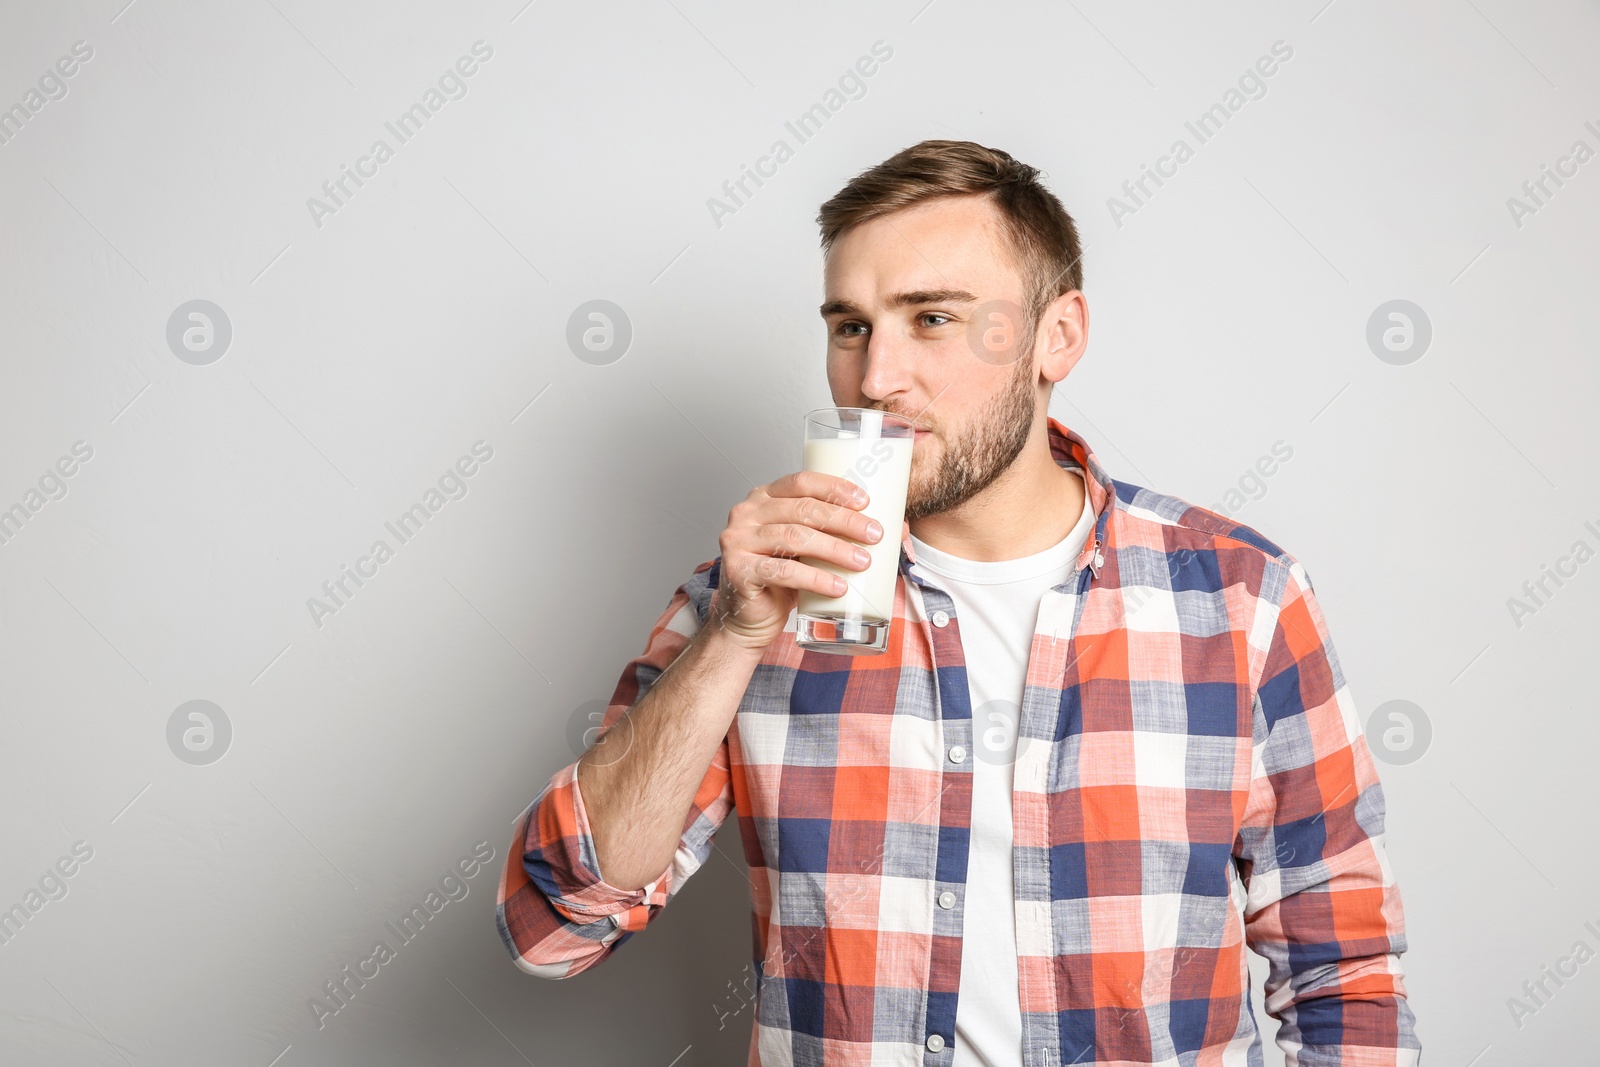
(888,367)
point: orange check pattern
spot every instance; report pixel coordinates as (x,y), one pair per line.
(1191,780)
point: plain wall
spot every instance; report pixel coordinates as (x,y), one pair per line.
(374,746)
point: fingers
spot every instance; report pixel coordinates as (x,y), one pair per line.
(826,487)
(761,508)
(769,571)
(806,513)
(793,539)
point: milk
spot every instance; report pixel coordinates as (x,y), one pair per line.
(882,466)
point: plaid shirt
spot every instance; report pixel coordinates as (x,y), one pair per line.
(1191,778)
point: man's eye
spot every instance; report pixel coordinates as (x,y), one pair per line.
(844,329)
(934,315)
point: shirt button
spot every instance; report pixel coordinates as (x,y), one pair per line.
(957,754)
(947,900)
(940,618)
(935,1042)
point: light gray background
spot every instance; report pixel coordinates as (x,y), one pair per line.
(371,753)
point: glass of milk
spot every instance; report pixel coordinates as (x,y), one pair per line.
(872,449)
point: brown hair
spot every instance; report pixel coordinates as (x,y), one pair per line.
(1043,236)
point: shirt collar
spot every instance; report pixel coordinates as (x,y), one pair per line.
(1069,450)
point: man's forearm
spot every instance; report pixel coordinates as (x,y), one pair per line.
(639,781)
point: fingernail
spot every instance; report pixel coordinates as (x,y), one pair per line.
(875,530)
(859,495)
(863,556)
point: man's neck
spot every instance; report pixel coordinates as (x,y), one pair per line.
(1029,508)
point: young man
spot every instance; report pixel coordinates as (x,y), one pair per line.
(1110,745)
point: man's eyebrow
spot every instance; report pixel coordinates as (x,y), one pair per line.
(898,300)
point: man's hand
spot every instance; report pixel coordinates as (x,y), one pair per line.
(805,512)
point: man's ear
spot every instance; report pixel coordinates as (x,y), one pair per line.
(1066,332)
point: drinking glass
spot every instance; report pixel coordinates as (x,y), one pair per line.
(872,449)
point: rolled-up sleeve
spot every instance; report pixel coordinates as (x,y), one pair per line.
(1322,905)
(556,913)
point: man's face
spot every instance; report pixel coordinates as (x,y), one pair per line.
(924,316)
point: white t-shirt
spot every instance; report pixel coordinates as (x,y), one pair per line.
(997,605)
